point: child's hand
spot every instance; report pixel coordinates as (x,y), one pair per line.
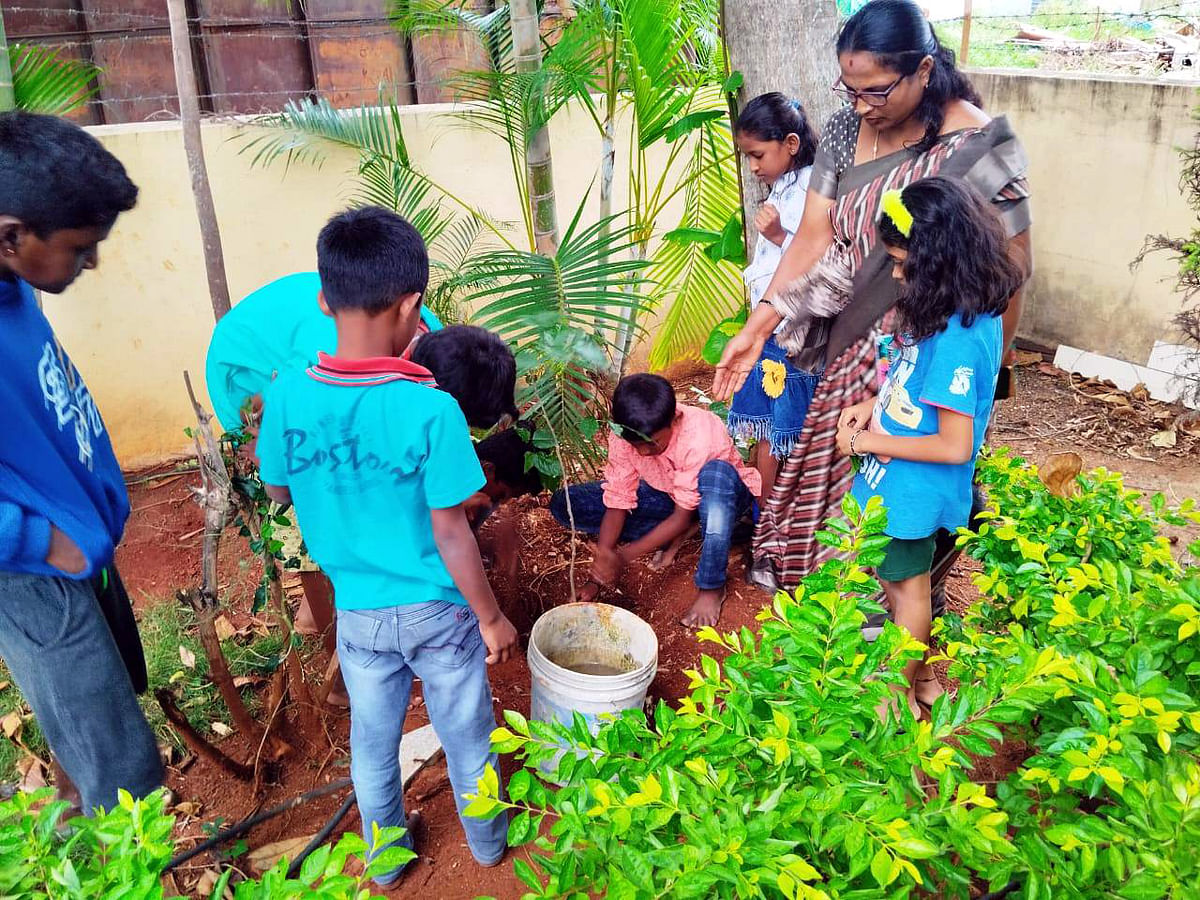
(64,554)
(500,638)
(476,505)
(844,434)
(857,416)
(769,225)
(606,565)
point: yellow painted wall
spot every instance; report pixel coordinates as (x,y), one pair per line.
(1104,174)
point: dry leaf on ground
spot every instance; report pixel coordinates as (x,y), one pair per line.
(222,729)
(33,775)
(188,808)
(187,657)
(263,858)
(1164,439)
(224,627)
(1059,472)
(11,725)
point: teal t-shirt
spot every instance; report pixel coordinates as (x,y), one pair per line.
(278,327)
(367,454)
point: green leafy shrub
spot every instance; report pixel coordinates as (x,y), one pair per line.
(121,855)
(775,778)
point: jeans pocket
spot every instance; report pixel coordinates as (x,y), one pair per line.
(39,607)
(358,631)
(448,640)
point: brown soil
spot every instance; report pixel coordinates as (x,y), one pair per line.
(162,549)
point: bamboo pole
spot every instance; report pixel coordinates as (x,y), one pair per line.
(966,33)
(539,166)
(189,114)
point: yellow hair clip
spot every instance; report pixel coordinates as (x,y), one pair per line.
(893,206)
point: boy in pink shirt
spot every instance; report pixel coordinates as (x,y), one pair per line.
(669,466)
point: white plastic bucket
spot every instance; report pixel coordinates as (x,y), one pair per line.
(589,636)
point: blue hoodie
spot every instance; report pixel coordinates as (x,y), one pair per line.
(56,462)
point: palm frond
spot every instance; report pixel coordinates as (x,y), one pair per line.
(45,82)
(592,278)
(306,130)
(696,291)
(449,256)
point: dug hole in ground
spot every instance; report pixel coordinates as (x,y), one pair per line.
(1053,412)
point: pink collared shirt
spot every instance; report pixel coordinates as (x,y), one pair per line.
(698,437)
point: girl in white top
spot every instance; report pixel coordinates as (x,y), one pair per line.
(774,135)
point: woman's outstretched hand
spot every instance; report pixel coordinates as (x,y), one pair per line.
(740,356)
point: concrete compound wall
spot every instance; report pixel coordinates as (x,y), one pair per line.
(1104,174)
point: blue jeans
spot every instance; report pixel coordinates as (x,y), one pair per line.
(61,653)
(381,650)
(724,499)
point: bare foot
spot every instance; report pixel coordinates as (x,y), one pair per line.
(338,697)
(927,690)
(706,610)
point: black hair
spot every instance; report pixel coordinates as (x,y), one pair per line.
(957,257)
(772,117)
(475,367)
(54,175)
(369,258)
(899,36)
(642,405)
(506,451)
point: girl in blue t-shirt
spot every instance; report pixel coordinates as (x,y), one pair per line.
(774,137)
(919,438)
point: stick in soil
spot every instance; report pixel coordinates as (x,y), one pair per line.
(562,465)
(216,498)
(196,742)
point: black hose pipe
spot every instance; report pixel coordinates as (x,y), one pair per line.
(321,836)
(246,824)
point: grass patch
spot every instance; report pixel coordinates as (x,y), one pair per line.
(165,627)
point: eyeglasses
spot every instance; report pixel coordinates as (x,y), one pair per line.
(871,98)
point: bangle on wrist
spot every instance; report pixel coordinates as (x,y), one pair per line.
(854,450)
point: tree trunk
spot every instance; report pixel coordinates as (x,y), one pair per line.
(539,168)
(189,114)
(786,46)
(216,499)
(8,98)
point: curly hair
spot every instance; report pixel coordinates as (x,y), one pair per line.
(899,36)
(957,261)
(772,117)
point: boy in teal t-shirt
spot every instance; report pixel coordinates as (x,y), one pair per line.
(378,467)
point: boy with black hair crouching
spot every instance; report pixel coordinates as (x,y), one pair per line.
(378,466)
(67,631)
(668,466)
(475,367)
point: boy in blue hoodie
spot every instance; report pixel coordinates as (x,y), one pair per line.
(63,503)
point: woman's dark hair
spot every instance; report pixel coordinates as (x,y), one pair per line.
(958,258)
(54,175)
(475,367)
(506,451)
(642,405)
(772,117)
(899,36)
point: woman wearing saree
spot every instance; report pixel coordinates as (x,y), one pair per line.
(910,115)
